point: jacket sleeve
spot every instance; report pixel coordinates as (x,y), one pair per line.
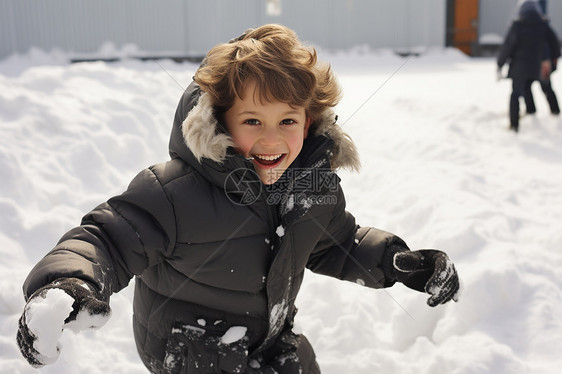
(507,47)
(353,253)
(116,240)
(553,43)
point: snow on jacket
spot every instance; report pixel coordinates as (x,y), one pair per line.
(526,40)
(211,251)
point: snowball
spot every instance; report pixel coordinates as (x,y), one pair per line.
(45,319)
(280,231)
(201,322)
(234,334)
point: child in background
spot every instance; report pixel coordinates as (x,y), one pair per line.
(523,49)
(218,237)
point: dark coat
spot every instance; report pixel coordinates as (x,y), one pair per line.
(524,45)
(212,249)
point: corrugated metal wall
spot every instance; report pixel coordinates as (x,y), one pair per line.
(496,16)
(83,26)
(398,24)
(191,27)
(215,21)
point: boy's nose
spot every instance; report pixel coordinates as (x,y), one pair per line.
(270,137)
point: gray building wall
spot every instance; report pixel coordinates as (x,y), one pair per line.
(82,26)
(496,16)
(191,27)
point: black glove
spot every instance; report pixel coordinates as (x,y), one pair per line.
(430,271)
(86,309)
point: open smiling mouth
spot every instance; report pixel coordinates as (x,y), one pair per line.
(269,161)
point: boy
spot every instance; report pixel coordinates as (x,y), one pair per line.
(218,238)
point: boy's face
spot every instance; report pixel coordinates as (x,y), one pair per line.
(270,132)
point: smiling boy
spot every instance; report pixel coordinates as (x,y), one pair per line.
(217,275)
(269,133)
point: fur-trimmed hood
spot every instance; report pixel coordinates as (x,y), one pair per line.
(198,136)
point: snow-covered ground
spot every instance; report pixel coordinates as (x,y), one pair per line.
(440,169)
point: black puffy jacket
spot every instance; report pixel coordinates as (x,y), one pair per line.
(212,249)
(525,42)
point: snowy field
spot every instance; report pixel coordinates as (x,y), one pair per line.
(440,169)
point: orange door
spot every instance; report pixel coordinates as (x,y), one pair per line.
(465,25)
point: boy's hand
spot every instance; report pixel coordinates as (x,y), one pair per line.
(70,303)
(429,271)
(546,67)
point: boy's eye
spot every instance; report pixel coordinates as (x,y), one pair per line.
(252,122)
(288,122)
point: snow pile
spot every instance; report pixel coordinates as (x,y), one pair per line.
(493,39)
(440,170)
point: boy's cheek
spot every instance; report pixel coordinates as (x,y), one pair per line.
(296,141)
(241,148)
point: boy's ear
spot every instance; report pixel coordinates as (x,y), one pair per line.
(307,126)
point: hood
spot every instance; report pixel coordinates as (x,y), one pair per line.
(530,11)
(199,139)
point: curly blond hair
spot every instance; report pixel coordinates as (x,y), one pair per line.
(283,68)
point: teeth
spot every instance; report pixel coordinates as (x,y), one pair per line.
(269,158)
